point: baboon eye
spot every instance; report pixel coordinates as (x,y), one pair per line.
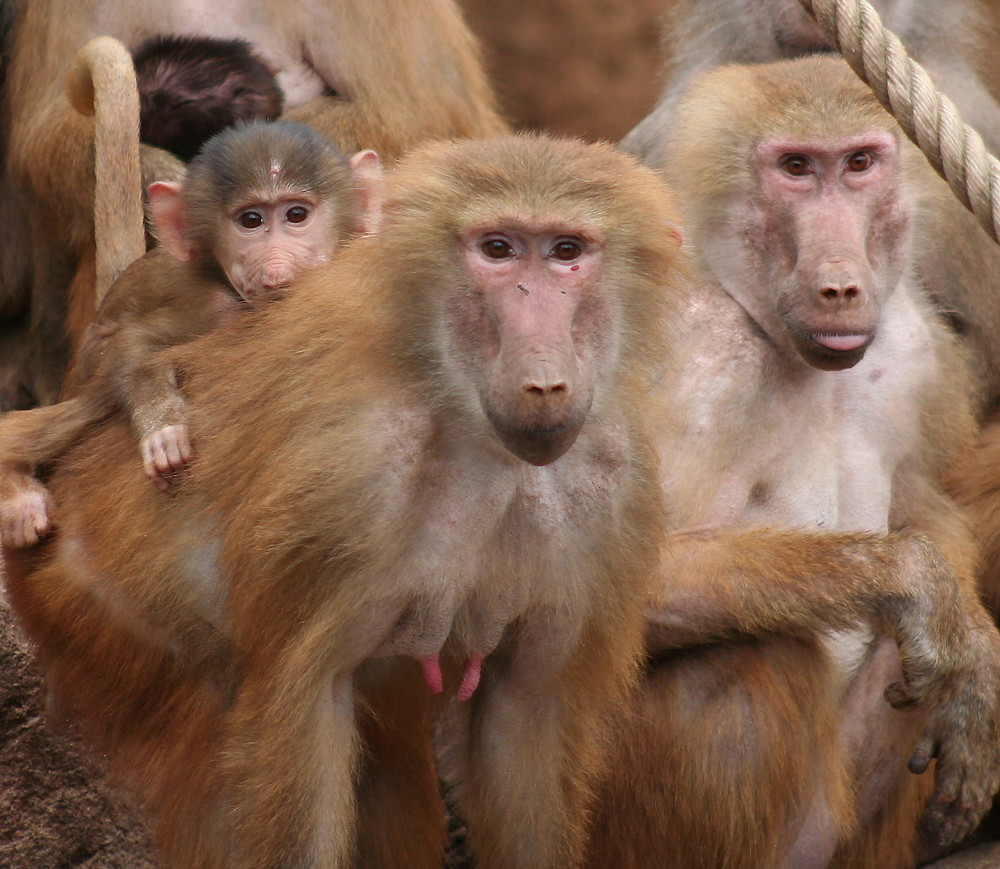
(250,219)
(860,161)
(497,248)
(566,250)
(297,214)
(797,165)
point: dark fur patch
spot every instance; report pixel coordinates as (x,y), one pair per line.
(191,88)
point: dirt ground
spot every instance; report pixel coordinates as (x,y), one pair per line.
(56,810)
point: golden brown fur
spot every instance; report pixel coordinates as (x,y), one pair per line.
(975,484)
(773,744)
(67,271)
(346,487)
(102,83)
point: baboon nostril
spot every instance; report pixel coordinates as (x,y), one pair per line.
(549,389)
(849,292)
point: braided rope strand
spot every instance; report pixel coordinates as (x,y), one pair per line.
(928,117)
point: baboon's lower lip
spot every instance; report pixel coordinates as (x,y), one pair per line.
(843,343)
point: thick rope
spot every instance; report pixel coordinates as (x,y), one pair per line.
(926,115)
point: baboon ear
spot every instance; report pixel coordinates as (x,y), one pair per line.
(367,169)
(170,223)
